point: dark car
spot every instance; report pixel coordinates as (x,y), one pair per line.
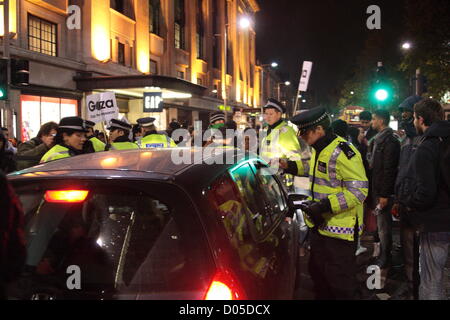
(137,225)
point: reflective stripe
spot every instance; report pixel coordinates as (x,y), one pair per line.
(320,196)
(342,201)
(356,184)
(321,182)
(168,142)
(332,168)
(357,193)
(341,230)
(305,164)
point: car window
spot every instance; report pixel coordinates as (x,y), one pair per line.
(251,193)
(277,205)
(125,243)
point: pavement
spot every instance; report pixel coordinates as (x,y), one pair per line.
(395,279)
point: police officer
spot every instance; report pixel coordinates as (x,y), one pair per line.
(280,141)
(151,138)
(93,144)
(119,136)
(70,138)
(334,211)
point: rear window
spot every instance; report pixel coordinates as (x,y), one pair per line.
(119,243)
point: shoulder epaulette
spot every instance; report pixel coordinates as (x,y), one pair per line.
(349,153)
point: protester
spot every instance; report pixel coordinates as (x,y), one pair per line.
(427,198)
(340,128)
(7,162)
(383,157)
(12,240)
(365,118)
(31,152)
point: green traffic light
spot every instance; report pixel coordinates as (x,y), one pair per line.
(2,94)
(381,95)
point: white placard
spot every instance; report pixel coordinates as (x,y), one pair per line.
(102,107)
(304,77)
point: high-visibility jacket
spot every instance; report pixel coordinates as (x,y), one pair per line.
(338,173)
(157,141)
(99,146)
(56,153)
(123,146)
(282,143)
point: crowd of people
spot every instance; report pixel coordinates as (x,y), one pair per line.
(360,177)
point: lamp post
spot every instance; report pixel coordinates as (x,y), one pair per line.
(286,83)
(263,84)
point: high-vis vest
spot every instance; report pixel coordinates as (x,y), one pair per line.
(338,173)
(157,141)
(282,143)
(99,146)
(123,146)
(56,153)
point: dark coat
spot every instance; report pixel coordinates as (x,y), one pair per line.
(384,166)
(7,161)
(429,201)
(30,153)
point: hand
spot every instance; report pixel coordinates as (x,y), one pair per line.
(314,210)
(284,164)
(395,211)
(49,141)
(383,202)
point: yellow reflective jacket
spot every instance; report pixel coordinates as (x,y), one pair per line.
(56,153)
(338,173)
(123,146)
(99,146)
(157,141)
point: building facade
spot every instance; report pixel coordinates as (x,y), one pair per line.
(196,53)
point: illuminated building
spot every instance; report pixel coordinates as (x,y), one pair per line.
(176,47)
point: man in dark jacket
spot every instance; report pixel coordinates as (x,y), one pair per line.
(383,157)
(12,240)
(31,152)
(7,162)
(428,200)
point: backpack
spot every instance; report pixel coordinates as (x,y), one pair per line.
(405,184)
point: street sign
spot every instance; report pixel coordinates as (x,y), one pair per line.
(102,107)
(304,78)
(153,102)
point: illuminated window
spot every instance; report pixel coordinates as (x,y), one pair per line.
(155,16)
(42,36)
(180,24)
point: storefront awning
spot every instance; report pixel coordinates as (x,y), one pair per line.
(141,82)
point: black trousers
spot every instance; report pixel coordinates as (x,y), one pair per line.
(333,268)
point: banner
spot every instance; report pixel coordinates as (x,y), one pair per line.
(304,78)
(102,107)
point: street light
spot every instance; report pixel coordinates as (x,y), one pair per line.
(274,65)
(286,83)
(244,22)
(406,46)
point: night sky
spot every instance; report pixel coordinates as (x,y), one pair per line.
(330,33)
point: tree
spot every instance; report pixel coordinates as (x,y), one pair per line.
(429,30)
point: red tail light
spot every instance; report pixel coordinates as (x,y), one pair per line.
(224,287)
(66,196)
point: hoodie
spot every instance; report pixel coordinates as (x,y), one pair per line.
(429,202)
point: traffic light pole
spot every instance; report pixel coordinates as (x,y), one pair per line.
(6,52)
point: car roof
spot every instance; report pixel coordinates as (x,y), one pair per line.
(153,164)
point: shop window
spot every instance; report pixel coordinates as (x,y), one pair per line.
(42,36)
(153,67)
(155,16)
(36,110)
(180,17)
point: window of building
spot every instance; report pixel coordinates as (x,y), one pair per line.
(42,36)
(200,36)
(200,81)
(180,74)
(125,7)
(121,53)
(216,32)
(153,67)
(37,110)
(180,17)
(155,16)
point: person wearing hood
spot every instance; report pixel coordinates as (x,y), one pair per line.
(407,123)
(70,139)
(428,201)
(7,162)
(383,157)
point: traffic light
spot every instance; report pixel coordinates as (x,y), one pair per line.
(20,72)
(382,89)
(3,79)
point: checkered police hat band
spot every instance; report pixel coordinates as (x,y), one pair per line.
(313,123)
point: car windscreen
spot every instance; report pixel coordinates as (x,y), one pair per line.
(117,243)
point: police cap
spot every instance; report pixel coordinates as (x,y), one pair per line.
(89,124)
(117,124)
(217,116)
(275,104)
(310,118)
(146,122)
(73,123)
